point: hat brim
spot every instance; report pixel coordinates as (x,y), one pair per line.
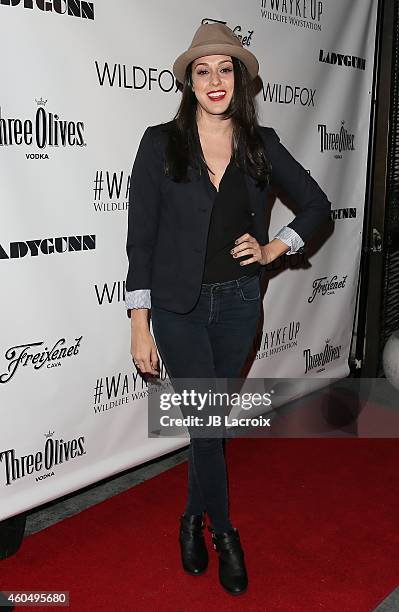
(248,58)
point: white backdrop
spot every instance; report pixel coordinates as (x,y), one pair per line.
(77,92)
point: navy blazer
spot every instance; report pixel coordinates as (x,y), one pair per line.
(168,221)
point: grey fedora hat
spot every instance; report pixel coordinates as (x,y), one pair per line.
(214,39)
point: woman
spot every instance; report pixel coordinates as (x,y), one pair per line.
(197,242)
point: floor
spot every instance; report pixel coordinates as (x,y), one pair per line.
(67,506)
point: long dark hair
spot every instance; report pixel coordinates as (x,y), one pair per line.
(183,145)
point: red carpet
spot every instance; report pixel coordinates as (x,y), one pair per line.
(318,518)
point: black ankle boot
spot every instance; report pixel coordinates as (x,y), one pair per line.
(232,571)
(194,554)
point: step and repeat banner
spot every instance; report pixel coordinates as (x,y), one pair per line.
(80,82)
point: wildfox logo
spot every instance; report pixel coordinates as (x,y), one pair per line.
(281,93)
(109,293)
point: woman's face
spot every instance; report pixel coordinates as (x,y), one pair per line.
(213,82)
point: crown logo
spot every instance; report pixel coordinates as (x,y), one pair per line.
(328,340)
(49,434)
(41,102)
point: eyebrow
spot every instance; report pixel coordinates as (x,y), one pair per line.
(206,63)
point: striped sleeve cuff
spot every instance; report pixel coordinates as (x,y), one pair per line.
(292,239)
(139,298)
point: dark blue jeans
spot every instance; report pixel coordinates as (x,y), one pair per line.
(210,341)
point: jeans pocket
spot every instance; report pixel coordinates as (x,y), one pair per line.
(249,290)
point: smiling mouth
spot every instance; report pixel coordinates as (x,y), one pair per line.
(216,95)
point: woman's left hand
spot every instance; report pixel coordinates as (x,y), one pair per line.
(248,245)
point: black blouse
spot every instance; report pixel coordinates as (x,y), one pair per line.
(230,218)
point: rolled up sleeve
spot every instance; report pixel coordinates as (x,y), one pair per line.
(139,298)
(292,239)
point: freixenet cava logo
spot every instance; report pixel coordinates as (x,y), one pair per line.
(323,286)
(27,355)
(243,35)
(55,452)
(73,8)
(47,129)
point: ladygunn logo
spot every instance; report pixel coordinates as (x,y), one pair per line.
(73,8)
(48,246)
(47,129)
(341,59)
